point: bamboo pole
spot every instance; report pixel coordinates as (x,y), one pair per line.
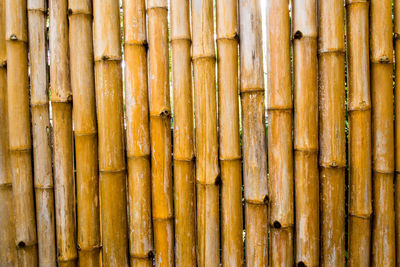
(138,135)
(109,103)
(397,124)
(332,139)
(85,130)
(20,145)
(381,58)
(280,116)
(306,132)
(184,165)
(254,136)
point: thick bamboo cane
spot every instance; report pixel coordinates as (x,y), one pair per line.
(138,135)
(306,132)
(280,117)
(184,165)
(85,130)
(381,58)
(20,145)
(109,100)
(397,124)
(254,136)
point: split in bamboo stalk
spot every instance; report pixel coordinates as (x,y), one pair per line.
(280,147)
(85,129)
(109,100)
(184,165)
(20,145)
(138,135)
(254,136)
(381,58)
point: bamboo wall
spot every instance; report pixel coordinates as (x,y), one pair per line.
(199,133)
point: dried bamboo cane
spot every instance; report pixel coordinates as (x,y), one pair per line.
(397,124)
(138,135)
(109,100)
(381,58)
(184,165)
(20,145)
(280,110)
(332,139)
(254,136)
(85,131)
(306,132)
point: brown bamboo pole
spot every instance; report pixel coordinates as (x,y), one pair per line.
(184,164)
(254,141)
(85,131)
(397,124)
(109,105)
(306,132)
(20,145)
(138,134)
(280,116)
(381,58)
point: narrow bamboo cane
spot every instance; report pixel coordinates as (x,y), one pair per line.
(397,124)
(280,110)
(20,145)
(332,139)
(109,100)
(85,130)
(138,135)
(184,165)
(306,132)
(381,58)
(254,137)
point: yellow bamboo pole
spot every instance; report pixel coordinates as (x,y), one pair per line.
(184,165)
(138,135)
(397,124)
(20,145)
(85,130)
(381,58)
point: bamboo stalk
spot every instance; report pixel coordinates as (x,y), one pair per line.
(20,145)
(254,136)
(397,124)
(184,165)
(109,100)
(138,135)
(381,58)
(85,130)
(280,110)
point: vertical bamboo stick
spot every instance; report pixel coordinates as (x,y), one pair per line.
(280,110)
(254,136)
(184,165)
(85,128)
(306,132)
(397,124)
(229,137)
(138,135)
(381,58)
(109,100)
(332,139)
(20,145)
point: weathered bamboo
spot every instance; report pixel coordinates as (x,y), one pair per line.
(254,136)
(20,145)
(109,100)
(184,165)
(138,135)
(381,58)
(280,147)
(397,124)
(85,131)
(306,132)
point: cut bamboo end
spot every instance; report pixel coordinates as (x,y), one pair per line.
(281,252)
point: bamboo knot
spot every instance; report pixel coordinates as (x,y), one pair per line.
(13,37)
(301,264)
(277,225)
(297,35)
(384,60)
(3,64)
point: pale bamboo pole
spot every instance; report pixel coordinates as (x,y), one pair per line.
(254,137)
(85,131)
(332,139)
(138,134)
(397,124)
(306,132)
(109,105)
(184,164)
(20,144)
(280,145)
(381,58)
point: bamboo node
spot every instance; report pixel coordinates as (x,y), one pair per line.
(277,225)
(6,185)
(13,37)
(297,35)
(384,60)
